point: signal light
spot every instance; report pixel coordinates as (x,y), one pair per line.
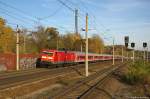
(126,39)
(132,45)
(144,44)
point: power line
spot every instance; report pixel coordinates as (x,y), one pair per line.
(15,14)
(16,18)
(64,4)
(94,18)
(105,29)
(53,14)
(11,23)
(21,11)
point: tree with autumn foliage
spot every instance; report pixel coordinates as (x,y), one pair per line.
(72,41)
(96,44)
(7,38)
(45,38)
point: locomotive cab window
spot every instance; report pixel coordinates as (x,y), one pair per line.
(48,53)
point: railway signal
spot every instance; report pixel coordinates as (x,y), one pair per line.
(133,45)
(144,46)
(126,40)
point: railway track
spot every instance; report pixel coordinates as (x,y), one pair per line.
(86,86)
(27,78)
(95,89)
(30,71)
(21,72)
(11,80)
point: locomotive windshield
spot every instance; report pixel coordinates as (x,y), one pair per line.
(48,53)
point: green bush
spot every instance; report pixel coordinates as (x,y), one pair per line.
(137,73)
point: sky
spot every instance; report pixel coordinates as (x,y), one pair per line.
(110,19)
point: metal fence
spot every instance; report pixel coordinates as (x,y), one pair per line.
(8,61)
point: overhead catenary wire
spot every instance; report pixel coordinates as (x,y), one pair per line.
(92,17)
(23,12)
(27,17)
(55,12)
(94,22)
(19,10)
(14,14)
(15,24)
(16,18)
(92,14)
(63,3)
(9,14)
(51,15)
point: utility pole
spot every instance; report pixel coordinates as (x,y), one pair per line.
(76,21)
(113,53)
(86,52)
(17,49)
(122,53)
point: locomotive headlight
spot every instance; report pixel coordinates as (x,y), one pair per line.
(49,57)
(43,56)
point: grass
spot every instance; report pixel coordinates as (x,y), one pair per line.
(137,73)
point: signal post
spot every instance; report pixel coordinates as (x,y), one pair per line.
(133,45)
(144,46)
(126,40)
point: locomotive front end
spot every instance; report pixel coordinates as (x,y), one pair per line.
(47,57)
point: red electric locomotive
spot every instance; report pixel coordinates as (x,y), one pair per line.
(52,57)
